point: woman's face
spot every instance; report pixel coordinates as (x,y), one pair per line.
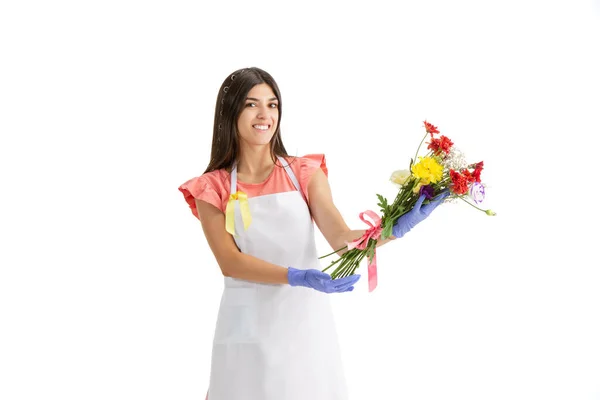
(258,120)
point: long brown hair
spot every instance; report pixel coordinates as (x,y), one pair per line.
(230,100)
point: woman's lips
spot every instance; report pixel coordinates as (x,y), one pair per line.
(261,128)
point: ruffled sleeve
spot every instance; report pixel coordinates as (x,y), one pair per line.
(309,164)
(201,189)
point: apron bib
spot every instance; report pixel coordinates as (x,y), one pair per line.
(276,342)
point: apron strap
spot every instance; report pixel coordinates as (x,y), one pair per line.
(233,179)
(292,176)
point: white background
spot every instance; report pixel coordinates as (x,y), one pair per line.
(107,287)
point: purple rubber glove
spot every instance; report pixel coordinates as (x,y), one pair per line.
(315,279)
(419,212)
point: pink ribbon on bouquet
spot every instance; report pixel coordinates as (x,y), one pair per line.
(374,232)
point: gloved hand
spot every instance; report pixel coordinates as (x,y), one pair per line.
(419,212)
(318,280)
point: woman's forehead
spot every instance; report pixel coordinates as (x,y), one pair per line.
(262,90)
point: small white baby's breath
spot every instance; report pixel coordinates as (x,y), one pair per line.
(455,160)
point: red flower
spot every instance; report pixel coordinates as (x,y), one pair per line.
(430,128)
(468,176)
(459,182)
(438,145)
(477,171)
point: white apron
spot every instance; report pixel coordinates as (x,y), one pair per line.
(276,342)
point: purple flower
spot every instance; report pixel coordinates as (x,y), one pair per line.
(477,192)
(427,190)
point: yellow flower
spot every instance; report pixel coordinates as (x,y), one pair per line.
(428,170)
(400,177)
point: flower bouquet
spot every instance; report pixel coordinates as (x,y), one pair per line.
(443,168)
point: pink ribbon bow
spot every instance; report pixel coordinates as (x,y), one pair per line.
(374,232)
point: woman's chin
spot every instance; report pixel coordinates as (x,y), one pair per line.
(258,143)
(259,140)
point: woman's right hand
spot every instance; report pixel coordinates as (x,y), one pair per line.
(318,280)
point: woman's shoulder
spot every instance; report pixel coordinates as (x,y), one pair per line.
(210,187)
(304,167)
(307,164)
(214,179)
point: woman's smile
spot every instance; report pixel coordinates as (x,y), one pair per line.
(261,128)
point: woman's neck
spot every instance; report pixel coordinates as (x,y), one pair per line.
(255,162)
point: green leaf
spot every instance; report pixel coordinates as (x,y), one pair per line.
(383,204)
(370,252)
(387,230)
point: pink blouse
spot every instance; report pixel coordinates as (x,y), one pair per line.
(214,187)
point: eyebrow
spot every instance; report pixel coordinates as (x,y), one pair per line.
(255,99)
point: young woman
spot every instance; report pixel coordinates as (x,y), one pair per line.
(275,337)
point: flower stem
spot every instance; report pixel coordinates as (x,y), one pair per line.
(472,205)
(333,252)
(422,140)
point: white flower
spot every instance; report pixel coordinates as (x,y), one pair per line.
(454,160)
(400,177)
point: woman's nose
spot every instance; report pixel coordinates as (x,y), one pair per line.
(263,111)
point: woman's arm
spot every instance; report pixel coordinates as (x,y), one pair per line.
(231,260)
(328,217)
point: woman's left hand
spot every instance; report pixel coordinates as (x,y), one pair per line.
(419,213)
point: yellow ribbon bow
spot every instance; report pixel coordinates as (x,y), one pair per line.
(244,208)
